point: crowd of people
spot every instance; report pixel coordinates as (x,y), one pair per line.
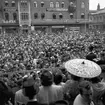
(34,53)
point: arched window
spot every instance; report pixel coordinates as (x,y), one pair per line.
(14,16)
(6,3)
(60,16)
(6,16)
(51,4)
(62,4)
(42,4)
(57,4)
(54,16)
(35,15)
(42,15)
(82,5)
(13,4)
(71,15)
(82,15)
(35,4)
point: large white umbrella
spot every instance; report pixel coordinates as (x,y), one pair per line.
(83,68)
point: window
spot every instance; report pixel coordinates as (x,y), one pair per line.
(24,4)
(54,16)
(82,5)
(82,15)
(6,3)
(57,4)
(35,15)
(71,15)
(35,4)
(42,15)
(24,16)
(42,4)
(91,18)
(14,16)
(60,16)
(71,3)
(51,4)
(62,5)
(100,17)
(13,3)
(6,16)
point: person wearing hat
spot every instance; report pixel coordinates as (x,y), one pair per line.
(29,90)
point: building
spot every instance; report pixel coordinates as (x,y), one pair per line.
(54,15)
(9,15)
(97,19)
(46,15)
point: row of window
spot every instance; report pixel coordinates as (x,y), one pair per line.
(97,18)
(13,4)
(57,4)
(25,16)
(52,5)
(7,16)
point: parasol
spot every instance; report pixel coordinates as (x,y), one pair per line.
(83,68)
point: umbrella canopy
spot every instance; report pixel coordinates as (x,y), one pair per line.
(83,68)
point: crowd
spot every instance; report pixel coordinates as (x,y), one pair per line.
(22,54)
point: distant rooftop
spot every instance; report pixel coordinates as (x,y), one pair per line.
(95,12)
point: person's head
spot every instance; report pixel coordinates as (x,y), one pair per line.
(58,78)
(46,78)
(85,90)
(31,88)
(91,48)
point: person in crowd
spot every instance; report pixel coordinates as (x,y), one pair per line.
(85,94)
(23,96)
(72,90)
(91,55)
(6,94)
(101,63)
(48,92)
(58,79)
(102,59)
(98,90)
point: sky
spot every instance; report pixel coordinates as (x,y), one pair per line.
(93,4)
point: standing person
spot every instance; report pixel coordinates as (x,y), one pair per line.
(23,96)
(91,55)
(48,92)
(98,90)
(101,62)
(85,94)
(6,94)
(73,88)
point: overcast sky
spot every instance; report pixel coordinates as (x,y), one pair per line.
(93,4)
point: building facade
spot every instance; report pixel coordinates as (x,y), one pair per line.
(9,15)
(46,15)
(97,19)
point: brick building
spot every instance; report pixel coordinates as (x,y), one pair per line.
(46,15)
(97,19)
(9,15)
